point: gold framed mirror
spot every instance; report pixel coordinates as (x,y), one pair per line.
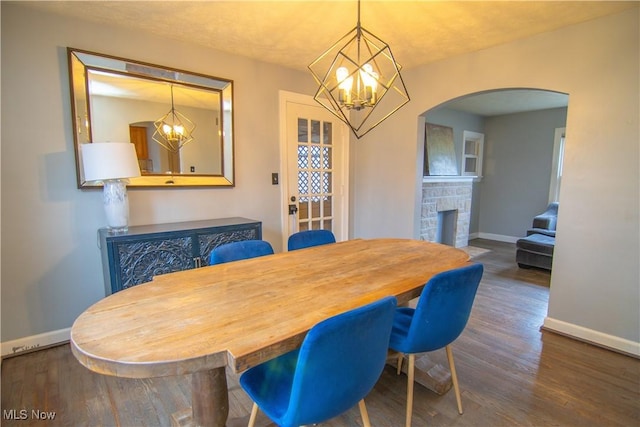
(180,122)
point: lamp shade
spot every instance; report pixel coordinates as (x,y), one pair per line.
(109,160)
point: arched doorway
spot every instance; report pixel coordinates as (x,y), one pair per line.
(515,158)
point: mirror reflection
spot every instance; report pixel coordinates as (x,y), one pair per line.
(179,122)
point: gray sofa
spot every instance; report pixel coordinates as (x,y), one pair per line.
(536,250)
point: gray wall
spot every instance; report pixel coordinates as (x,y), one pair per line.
(518,153)
(51,269)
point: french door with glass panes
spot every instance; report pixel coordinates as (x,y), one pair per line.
(315,170)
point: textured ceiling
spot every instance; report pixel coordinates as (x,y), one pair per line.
(294,33)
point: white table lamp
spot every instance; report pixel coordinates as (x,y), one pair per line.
(112,163)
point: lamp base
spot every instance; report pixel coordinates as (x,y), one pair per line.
(116,205)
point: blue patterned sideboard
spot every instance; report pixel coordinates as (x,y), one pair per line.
(134,257)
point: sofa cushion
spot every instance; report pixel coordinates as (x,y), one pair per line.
(550,233)
(537,243)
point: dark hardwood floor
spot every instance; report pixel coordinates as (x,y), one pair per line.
(510,373)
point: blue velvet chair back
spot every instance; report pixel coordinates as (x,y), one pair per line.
(308,238)
(443,309)
(240,250)
(338,364)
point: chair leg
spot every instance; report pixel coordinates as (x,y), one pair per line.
(400,358)
(254,415)
(454,377)
(410,379)
(364,414)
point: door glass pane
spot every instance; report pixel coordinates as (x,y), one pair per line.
(326,183)
(303,157)
(303,183)
(315,182)
(326,206)
(315,208)
(326,157)
(303,130)
(303,209)
(315,157)
(315,131)
(328,132)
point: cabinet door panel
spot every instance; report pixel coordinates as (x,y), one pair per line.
(140,261)
(209,242)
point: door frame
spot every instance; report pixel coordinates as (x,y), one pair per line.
(298,98)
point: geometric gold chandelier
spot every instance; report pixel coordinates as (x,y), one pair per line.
(359,80)
(173,130)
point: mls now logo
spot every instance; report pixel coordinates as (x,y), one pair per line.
(23,414)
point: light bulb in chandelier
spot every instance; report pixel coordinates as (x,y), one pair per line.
(174,132)
(370,81)
(365,91)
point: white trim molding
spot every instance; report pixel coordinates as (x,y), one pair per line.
(447,178)
(26,344)
(497,237)
(600,339)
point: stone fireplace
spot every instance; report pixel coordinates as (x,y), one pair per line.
(446,210)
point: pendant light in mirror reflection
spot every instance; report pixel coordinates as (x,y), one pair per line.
(112,163)
(173,130)
(359,80)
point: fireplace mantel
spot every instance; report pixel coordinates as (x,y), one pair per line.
(455,178)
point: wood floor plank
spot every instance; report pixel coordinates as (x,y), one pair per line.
(510,372)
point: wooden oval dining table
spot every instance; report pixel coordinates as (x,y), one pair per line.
(243,313)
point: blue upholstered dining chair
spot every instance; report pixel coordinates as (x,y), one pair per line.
(239,250)
(339,362)
(308,238)
(439,318)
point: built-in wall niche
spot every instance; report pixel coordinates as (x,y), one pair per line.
(472,152)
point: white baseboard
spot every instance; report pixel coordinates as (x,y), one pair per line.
(15,347)
(621,345)
(497,237)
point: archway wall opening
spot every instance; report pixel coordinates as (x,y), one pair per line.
(594,290)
